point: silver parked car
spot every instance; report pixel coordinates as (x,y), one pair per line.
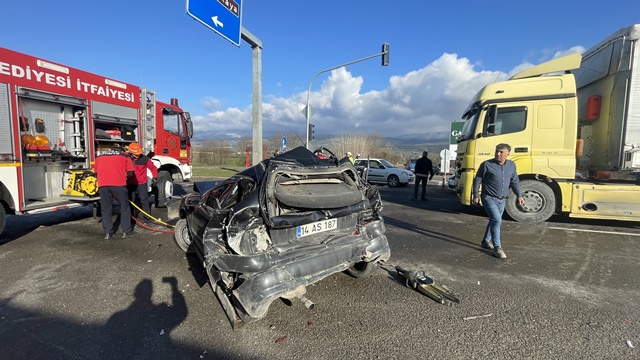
(380,171)
(451,182)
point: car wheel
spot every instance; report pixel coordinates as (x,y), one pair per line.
(539,203)
(393,181)
(181,236)
(362,269)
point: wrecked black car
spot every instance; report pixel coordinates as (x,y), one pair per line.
(275,228)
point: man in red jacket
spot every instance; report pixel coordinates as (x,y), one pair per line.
(138,184)
(113,167)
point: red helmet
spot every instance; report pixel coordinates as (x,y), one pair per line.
(135,149)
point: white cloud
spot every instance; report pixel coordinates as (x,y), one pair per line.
(210,103)
(421,101)
(575,49)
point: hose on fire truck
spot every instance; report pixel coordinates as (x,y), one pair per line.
(147,215)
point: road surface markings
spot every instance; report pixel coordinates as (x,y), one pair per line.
(596,231)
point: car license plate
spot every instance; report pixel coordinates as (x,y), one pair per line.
(316,227)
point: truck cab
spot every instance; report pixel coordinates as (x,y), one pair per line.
(536,116)
(572,126)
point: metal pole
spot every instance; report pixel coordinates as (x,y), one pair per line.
(324,71)
(256,107)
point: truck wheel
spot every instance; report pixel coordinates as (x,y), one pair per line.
(539,203)
(393,181)
(164,189)
(362,269)
(3,218)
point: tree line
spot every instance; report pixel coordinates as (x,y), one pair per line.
(232,152)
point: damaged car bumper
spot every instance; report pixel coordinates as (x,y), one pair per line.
(281,225)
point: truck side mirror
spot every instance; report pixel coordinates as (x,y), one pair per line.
(189,125)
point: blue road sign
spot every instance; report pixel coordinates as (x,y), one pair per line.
(221,16)
(283,145)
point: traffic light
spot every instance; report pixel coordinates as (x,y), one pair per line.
(385,54)
(311,136)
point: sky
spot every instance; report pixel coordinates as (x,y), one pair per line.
(441,54)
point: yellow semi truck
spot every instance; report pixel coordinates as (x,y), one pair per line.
(573,124)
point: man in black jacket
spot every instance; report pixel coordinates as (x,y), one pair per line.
(424,172)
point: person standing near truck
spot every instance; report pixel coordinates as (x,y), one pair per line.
(112,168)
(138,185)
(497,176)
(424,172)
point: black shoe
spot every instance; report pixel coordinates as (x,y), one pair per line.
(130,233)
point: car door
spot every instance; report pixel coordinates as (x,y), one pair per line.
(376,171)
(209,216)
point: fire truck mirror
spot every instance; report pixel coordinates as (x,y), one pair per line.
(189,125)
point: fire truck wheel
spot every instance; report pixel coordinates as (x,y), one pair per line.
(164,189)
(539,203)
(3,217)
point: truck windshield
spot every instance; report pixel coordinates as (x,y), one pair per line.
(470,121)
(172,123)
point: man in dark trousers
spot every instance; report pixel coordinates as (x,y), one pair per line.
(424,172)
(138,185)
(497,176)
(113,167)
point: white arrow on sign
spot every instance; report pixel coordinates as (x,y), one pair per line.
(216,22)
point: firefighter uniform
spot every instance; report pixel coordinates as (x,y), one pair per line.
(113,167)
(138,184)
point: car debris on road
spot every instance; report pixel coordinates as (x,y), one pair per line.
(420,282)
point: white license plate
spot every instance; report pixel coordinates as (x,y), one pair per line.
(316,227)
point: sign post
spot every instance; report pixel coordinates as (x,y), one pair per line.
(222,16)
(444,165)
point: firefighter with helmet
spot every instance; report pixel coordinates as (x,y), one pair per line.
(138,184)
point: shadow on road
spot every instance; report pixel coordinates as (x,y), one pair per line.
(445,200)
(20,225)
(448,237)
(141,331)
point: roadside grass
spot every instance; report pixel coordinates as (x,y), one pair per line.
(221,171)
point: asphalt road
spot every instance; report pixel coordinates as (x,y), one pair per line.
(568,290)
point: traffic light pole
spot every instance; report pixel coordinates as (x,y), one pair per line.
(256,98)
(385,62)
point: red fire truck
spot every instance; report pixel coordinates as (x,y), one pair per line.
(55,120)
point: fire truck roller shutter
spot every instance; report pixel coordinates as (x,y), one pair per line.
(5,122)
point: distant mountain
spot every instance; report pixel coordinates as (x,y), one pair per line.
(420,139)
